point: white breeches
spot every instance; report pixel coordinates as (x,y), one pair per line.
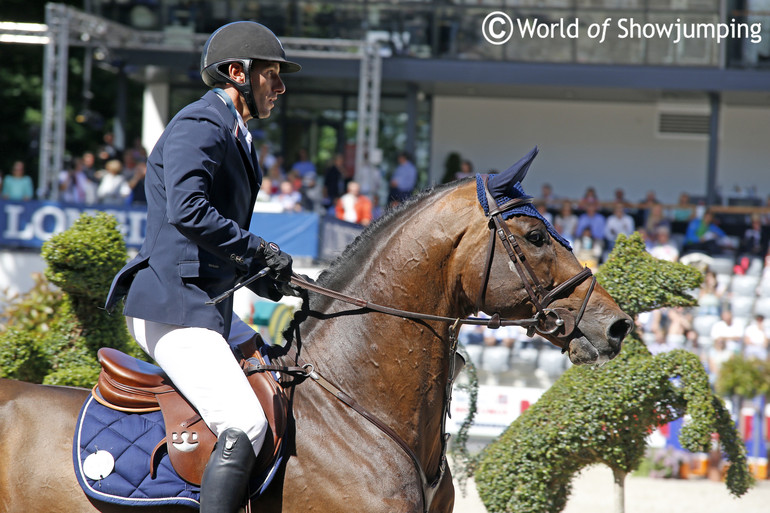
(201,364)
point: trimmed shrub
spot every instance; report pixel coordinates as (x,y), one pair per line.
(58,346)
(603,415)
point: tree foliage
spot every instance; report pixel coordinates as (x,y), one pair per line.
(603,415)
(21,88)
(59,346)
(744,377)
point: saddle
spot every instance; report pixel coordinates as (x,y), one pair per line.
(134,386)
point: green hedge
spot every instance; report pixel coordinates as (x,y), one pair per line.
(603,415)
(53,333)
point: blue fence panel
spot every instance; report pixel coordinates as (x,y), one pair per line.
(28,224)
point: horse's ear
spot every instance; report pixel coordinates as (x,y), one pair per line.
(514,174)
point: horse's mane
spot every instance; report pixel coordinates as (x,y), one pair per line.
(347,260)
(350,259)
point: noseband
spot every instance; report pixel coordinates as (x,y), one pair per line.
(558,322)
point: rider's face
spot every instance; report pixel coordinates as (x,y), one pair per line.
(266,85)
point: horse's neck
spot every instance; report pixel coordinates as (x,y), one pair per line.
(397,367)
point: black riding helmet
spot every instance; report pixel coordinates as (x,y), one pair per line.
(242,41)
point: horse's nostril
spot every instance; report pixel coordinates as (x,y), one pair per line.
(618,331)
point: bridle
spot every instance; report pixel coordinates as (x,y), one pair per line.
(558,322)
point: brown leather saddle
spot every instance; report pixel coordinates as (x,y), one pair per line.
(134,386)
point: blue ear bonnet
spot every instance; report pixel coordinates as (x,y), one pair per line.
(506,186)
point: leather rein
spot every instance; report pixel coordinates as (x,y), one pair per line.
(558,322)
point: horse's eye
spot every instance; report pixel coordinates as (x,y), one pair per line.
(536,237)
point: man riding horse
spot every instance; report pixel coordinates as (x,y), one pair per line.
(202,181)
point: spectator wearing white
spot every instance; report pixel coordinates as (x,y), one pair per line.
(755,339)
(663,248)
(74,185)
(728,330)
(289,199)
(113,188)
(717,355)
(617,223)
(353,206)
(566,221)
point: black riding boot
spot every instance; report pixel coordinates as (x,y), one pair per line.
(226,478)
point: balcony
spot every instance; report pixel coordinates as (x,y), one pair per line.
(694,32)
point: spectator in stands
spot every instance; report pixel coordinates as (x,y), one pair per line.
(588,250)
(548,197)
(755,339)
(660,344)
(74,185)
(678,323)
(566,221)
(592,219)
(288,197)
(505,336)
(311,191)
(136,182)
(617,223)
(265,191)
(684,210)
(472,335)
(334,181)
(108,151)
(620,196)
(662,246)
(17,185)
(753,242)
(649,200)
(717,355)
(709,295)
(129,165)
(766,215)
(276,174)
(89,167)
(728,330)
(656,218)
(404,179)
(266,158)
(466,170)
(589,198)
(303,166)
(113,187)
(703,235)
(137,151)
(541,207)
(353,206)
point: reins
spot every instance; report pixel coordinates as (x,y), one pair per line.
(546,321)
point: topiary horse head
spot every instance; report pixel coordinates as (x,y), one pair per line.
(603,415)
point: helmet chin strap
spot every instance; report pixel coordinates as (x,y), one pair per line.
(243,89)
(246,91)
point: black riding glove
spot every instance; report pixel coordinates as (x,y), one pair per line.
(278,262)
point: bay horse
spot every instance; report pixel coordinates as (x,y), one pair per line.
(438,254)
